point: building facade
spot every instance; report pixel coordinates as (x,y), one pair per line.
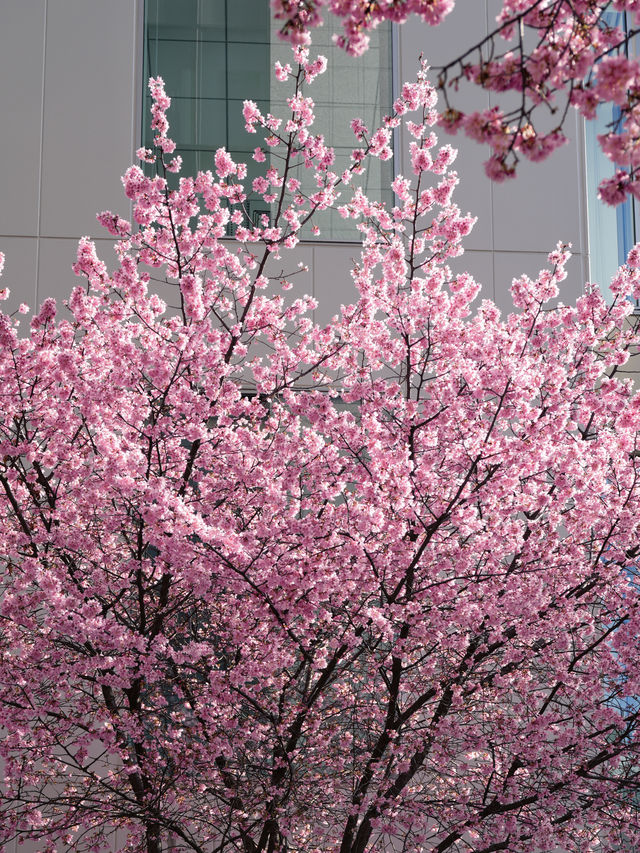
(73,97)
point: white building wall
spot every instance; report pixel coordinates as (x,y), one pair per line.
(521,220)
(69,100)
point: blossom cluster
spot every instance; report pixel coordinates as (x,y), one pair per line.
(301,16)
(562,49)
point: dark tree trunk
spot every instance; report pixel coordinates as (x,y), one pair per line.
(154,838)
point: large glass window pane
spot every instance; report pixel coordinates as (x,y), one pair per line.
(212,122)
(352,87)
(175,62)
(183,121)
(603,220)
(190,162)
(211,20)
(213,54)
(248,71)
(190,69)
(168,19)
(212,68)
(185,44)
(248,20)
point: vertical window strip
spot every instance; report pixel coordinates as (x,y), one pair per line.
(612,231)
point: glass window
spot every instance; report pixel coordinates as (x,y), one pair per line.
(248,21)
(248,71)
(213,54)
(612,230)
(352,87)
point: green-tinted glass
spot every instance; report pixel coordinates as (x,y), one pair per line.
(212,69)
(352,87)
(169,19)
(212,122)
(176,63)
(248,21)
(213,54)
(248,72)
(212,20)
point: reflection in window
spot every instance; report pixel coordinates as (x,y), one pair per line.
(214,54)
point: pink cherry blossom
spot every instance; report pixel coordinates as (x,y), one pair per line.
(552,55)
(268,585)
(224,163)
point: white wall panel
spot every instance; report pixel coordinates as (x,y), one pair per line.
(529,214)
(543,204)
(90,92)
(479,263)
(21,258)
(459,30)
(510,265)
(21,66)
(332,282)
(56,257)
(287,266)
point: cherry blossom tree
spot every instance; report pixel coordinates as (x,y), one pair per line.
(269,586)
(555,54)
